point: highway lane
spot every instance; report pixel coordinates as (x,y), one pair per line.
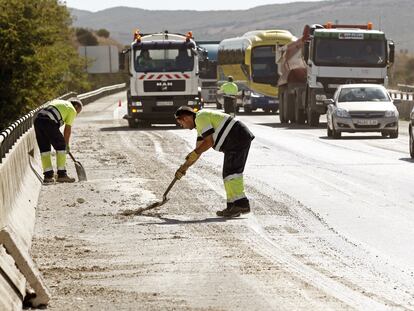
(322,233)
(361,185)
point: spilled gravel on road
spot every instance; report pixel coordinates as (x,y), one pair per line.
(180,256)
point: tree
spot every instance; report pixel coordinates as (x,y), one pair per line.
(103,33)
(86,37)
(38,60)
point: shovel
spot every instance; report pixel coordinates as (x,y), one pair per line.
(153,205)
(80,171)
(159,203)
(31,156)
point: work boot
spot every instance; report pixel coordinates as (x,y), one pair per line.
(63,177)
(48,178)
(243,205)
(230,211)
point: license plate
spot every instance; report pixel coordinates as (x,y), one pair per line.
(366,122)
(272,102)
(169,103)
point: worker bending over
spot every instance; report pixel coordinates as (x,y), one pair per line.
(47,123)
(228,135)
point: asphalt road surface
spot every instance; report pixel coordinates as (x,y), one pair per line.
(331,226)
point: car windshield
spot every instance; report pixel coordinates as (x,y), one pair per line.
(163,60)
(363,94)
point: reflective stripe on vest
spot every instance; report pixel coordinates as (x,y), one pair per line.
(222,131)
(52,113)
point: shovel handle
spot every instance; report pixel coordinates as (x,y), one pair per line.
(164,197)
(72,157)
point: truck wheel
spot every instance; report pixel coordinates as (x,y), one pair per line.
(288,106)
(282,111)
(300,117)
(312,117)
(411,143)
(132,123)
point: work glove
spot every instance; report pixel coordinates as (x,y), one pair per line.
(191,158)
(181,171)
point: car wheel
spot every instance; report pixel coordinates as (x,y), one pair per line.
(411,143)
(335,134)
(328,131)
(394,134)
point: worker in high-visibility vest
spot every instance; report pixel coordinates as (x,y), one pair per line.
(47,123)
(229,87)
(223,133)
(229,90)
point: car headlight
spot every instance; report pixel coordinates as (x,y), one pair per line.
(342,113)
(252,94)
(390,113)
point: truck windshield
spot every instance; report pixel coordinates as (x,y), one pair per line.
(350,53)
(264,69)
(363,94)
(163,60)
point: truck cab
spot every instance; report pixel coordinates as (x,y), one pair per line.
(164,75)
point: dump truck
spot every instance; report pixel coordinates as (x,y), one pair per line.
(164,75)
(326,56)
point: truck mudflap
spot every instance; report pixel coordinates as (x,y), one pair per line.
(158,109)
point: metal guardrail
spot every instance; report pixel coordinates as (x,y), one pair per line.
(396,94)
(14,131)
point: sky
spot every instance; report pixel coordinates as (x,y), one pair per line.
(98,5)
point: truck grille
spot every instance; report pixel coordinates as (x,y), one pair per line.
(164,86)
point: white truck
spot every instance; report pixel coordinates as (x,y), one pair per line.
(312,67)
(208,70)
(164,75)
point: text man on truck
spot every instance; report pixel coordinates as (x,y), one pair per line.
(164,75)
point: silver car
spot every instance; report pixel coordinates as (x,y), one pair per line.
(411,133)
(361,108)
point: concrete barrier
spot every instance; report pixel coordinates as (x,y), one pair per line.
(19,191)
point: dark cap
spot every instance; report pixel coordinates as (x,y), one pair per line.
(184,110)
